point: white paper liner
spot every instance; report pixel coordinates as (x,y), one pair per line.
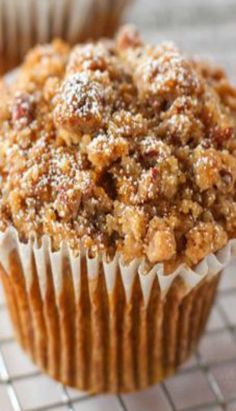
(9,242)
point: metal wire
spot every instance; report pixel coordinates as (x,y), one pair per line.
(168,393)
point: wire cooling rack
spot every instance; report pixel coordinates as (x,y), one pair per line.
(206,383)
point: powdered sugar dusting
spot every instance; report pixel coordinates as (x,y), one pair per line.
(122,145)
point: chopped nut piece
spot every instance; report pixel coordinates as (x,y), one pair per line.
(80,104)
(162,246)
(104,150)
(127,125)
(89,57)
(133,222)
(206,167)
(22,110)
(203,239)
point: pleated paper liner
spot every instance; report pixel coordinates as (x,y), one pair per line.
(24,23)
(105,327)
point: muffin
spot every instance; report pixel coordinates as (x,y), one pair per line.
(117,207)
(26,23)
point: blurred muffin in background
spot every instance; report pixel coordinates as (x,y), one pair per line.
(25,23)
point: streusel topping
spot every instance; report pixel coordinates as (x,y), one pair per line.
(123,146)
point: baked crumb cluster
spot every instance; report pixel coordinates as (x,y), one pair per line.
(123,145)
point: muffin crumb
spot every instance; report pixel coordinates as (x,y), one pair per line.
(122,146)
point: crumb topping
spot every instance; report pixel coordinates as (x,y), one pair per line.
(121,146)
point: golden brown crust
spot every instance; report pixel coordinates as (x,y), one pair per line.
(125,146)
